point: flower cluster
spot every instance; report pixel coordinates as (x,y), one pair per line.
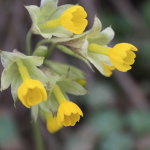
(42,84)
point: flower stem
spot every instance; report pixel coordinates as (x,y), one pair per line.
(28,43)
(50,49)
(37,135)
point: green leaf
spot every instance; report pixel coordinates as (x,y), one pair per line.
(34,112)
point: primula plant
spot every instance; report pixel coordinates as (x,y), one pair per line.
(42,84)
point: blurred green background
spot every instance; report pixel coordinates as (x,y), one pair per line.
(117,110)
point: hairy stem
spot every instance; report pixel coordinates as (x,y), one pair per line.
(37,135)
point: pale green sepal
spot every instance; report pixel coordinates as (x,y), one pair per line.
(54,103)
(34,60)
(34,12)
(96,28)
(6,78)
(50,105)
(69,52)
(94,59)
(34,112)
(58,31)
(60,68)
(15,83)
(46,8)
(75,44)
(69,86)
(36,73)
(40,51)
(72,87)
(59,11)
(65,79)
(101,58)
(103,38)
(8,58)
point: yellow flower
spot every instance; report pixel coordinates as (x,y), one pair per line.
(108,69)
(73,19)
(121,55)
(31,92)
(51,123)
(82,82)
(68,112)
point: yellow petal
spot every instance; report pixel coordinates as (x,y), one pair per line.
(129,60)
(73,19)
(66,121)
(34,97)
(74,118)
(52,125)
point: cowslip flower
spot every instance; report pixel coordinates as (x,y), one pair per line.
(60,21)
(51,123)
(121,55)
(30,92)
(94,49)
(27,81)
(68,112)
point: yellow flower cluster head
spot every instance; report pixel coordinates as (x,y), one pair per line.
(31,92)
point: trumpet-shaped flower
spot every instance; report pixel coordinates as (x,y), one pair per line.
(27,81)
(60,21)
(51,123)
(121,55)
(74,20)
(68,112)
(31,92)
